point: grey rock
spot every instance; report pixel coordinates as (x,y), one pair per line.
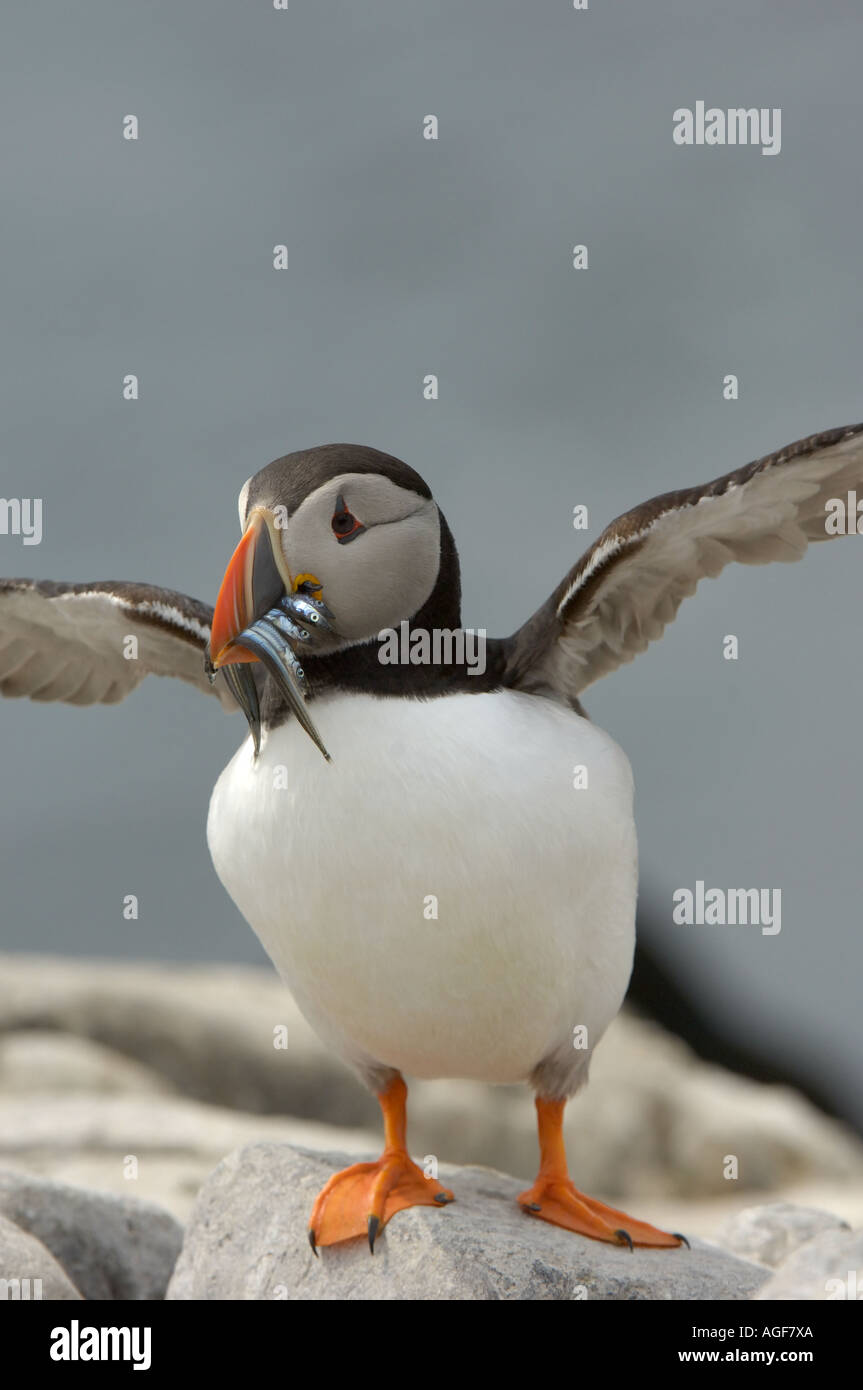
(247,1240)
(39,1063)
(208,1030)
(29,1271)
(773,1231)
(85,1139)
(653,1120)
(139,1125)
(110,1247)
(827,1268)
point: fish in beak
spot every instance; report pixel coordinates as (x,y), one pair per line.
(259,613)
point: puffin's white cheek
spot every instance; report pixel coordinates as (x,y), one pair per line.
(387,578)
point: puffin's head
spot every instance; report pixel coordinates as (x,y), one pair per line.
(345,525)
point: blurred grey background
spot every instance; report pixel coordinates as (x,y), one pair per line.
(556,387)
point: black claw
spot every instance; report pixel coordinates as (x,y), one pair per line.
(534,1206)
(626,1239)
(678,1236)
(312,1243)
(374,1227)
(442,1198)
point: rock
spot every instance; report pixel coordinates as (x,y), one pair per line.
(653,1121)
(247,1240)
(828,1267)
(110,1247)
(63,1064)
(770,1233)
(86,1140)
(666,1122)
(208,1030)
(118,1125)
(705,1216)
(28,1270)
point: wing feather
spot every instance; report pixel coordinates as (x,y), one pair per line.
(69,641)
(628,586)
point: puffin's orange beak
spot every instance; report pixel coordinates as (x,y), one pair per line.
(256,578)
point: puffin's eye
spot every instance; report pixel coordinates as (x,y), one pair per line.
(344,523)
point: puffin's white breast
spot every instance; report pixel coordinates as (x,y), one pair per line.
(440,898)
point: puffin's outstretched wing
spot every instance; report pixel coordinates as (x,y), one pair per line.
(629,585)
(69,641)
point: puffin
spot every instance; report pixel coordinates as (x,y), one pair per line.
(431,839)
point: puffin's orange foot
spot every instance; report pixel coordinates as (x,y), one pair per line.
(559,1201)
(361,1199)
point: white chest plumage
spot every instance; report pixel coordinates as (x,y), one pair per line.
(441,898)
